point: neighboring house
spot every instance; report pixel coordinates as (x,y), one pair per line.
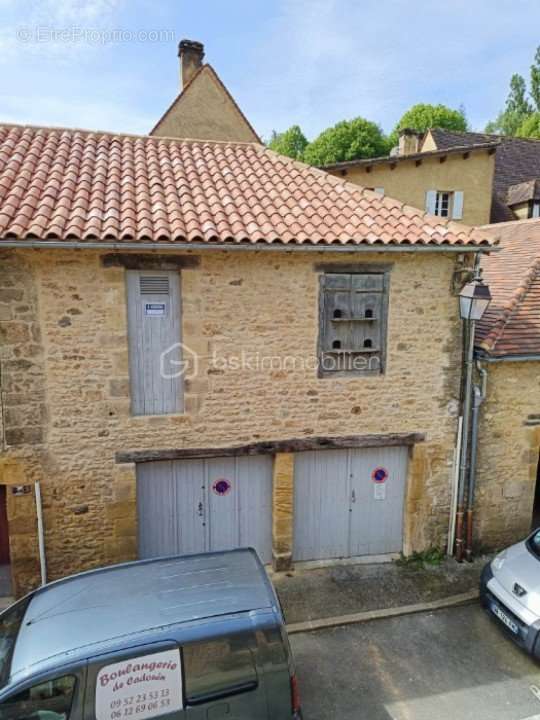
(508,346)
(475,177)
(204,110)
(205,345)
(454,183)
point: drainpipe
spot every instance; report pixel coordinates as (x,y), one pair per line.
(41,534)
(467,401)
(479,397)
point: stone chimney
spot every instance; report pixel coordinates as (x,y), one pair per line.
(191,54)
(409,141)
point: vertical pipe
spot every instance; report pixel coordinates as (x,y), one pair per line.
(465,442)
(41,534)
(479,397)
(454,491)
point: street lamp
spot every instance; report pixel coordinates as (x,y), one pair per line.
(474,299)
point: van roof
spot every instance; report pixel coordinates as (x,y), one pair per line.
(101,606)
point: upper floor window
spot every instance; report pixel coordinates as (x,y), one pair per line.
(445,203)
(353,320)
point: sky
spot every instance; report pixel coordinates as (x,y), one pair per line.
(113,65)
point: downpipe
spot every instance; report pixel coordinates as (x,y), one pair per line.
(479,397)
(467,402)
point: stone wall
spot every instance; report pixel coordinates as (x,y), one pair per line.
(509,449)
(263,304)
(23,408)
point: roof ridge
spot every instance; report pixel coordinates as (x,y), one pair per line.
(490,341)
(134,136)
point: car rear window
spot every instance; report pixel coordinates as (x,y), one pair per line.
(10,623)
(219,667)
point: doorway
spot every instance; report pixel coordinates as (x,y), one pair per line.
(536,504)
(5,570)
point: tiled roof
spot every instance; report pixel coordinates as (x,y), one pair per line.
(516,160)
(511,325)
(60,184)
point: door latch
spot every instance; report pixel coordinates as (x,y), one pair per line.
(201,509)
(353,496)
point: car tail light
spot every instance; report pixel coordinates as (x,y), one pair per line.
(295,695)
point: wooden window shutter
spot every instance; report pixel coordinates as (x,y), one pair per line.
(457,206)
(431,201)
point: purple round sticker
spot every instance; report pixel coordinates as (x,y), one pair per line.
(222,486)
(379,475)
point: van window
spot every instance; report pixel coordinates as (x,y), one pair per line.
(10,622)
(219,667)
(50,700)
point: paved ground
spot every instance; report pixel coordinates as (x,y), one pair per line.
(452,664)
(345,589)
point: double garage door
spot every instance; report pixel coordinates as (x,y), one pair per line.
(347,503)
(191,506)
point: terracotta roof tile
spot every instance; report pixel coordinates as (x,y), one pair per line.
(511,325)
(73,184)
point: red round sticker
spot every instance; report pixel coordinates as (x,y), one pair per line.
(222,486)
(379,475)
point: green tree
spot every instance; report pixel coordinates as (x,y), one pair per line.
(348,140)
(530,127)
(291,142)
(535,79)
(516,110)
(423,116)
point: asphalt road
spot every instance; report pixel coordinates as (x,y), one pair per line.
(452,664)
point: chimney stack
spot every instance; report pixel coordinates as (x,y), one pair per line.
(409,141)
(191,54)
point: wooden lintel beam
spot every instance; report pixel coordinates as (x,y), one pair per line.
(149,261)
(271,447)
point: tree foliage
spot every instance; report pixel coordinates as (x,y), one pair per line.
(422,117)
(291,142)
(518,108)
(535,79)
(348,140)
(530,127)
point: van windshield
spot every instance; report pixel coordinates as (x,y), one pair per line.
(10,623)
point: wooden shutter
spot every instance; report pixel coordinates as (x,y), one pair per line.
(155,352)
(431,201)
(352,322)
(457,205)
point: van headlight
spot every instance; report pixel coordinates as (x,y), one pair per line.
(498,560)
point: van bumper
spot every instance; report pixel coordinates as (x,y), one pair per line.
(526,636)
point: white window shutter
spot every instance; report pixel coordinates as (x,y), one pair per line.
(457,206)
(379,190)
(431,201)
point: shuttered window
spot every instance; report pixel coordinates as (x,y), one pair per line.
(353,320)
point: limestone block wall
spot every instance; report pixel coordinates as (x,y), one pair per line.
(509,450)
(239,310)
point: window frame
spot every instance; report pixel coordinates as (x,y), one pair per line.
(439,202)
(383,269)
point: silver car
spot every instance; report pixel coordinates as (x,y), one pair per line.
(510,592)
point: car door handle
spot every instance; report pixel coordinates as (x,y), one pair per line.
(200,509)
(353,496)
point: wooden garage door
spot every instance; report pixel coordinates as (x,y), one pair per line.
(191,506)
(349,503)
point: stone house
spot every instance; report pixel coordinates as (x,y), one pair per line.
(204,344)
(508,348)
(475,177)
